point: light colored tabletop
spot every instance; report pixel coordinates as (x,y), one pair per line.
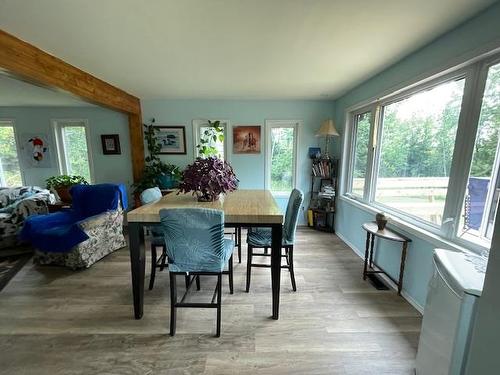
(240,206)
(385,233)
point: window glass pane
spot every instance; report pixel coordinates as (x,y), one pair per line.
(218,144)
(282,152)
(418,138)
(75,146)
(483,186)
(362,123)
(10,173)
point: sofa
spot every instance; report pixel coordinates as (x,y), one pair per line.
(16,204)
(82,235)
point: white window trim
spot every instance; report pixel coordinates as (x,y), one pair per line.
(198,123)
(475,72)
(12,122)
(269,124)
(61,157)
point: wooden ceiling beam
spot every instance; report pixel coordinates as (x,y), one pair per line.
(29,63)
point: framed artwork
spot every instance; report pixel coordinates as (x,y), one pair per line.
(246,139)
(110,144)
(172,139)
(36,150)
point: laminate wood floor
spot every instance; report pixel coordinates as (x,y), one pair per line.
(55,321)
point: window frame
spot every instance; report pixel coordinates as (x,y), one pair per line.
(475,74)
(57,126)
(269,125)
(11,122)
(197,124)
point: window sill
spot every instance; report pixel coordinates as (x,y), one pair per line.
(414,230)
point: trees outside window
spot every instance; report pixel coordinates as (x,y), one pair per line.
(10,172)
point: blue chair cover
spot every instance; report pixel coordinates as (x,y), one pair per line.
(261,237)
(148,196)
(195,239)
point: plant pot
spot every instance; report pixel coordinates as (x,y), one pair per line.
(166,181)
(64,194)
(206,198)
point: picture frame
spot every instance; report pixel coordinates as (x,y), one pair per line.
(111,144)
(172,139)
(247,139)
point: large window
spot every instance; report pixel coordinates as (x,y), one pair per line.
(10,173)
(281,156)
(73,148)
(416,149)
(429,154)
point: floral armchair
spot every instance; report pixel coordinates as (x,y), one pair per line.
(16,204)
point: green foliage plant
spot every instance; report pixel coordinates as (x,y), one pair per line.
(64,181)
(213,133)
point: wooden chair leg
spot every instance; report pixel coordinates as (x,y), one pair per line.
(292,273)
(219,304)
(249,266)
(266,250)
(186,280)
(173,301)
(153,267)
(230,275)
(198,284)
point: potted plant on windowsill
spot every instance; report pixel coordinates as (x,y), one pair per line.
(61,184)
(208,178)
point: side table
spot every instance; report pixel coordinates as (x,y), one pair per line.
(372,231)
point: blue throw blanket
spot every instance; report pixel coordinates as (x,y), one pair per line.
(60,232)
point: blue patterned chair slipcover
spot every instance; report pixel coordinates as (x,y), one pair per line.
(261,238)
(16,204)
(149,196)
(195,246)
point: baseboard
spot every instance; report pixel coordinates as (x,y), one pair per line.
(388,281)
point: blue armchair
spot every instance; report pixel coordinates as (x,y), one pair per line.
(80,236)
(195,246)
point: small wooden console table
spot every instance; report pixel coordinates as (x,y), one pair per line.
(372,231)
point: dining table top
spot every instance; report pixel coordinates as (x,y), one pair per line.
(240,207)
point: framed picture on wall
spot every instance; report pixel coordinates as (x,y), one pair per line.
(246,139)
(172,139)
(110,144)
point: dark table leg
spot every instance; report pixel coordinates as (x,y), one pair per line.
(402,267)
(238,233)
(277,233)
(371,251)
(366,254)
(137,264)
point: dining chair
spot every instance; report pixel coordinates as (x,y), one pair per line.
(157,241)
(196,246)
(261,238)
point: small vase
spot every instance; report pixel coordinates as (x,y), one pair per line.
(381,220)
(206,197)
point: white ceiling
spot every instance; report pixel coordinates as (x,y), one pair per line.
(274,49)
(14,93)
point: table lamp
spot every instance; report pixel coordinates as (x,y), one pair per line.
(327,130)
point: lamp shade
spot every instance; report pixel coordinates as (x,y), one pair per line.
(327,129)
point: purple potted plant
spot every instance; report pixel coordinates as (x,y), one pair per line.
(207,178)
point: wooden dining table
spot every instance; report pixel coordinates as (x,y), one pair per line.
(242,208)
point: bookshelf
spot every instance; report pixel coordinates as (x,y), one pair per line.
(322,203)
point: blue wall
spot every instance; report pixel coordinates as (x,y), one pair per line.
(471,38)
(248,168)
(107,168)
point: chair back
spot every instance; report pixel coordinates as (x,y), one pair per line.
(150,195)
(194,238)
(292,216)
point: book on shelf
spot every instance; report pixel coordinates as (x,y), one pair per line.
(321,168)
